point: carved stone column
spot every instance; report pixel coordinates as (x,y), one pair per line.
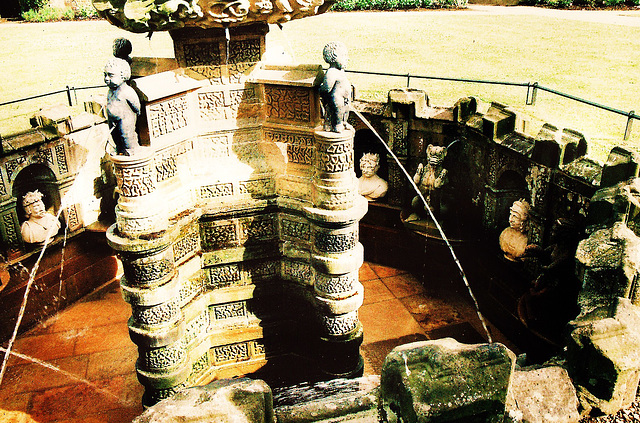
(336,253)
(139,210)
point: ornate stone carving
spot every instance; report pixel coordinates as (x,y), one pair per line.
(231,352)
(224,189)
(188,244)
(216,235)
(335,285)
(212,73)
(237,70)
(61,158)
(202,54)
(288,103)
(334,157)
(297,271)
(145,271)
(9,224)
(167,116)
(341,324)
(258,228)
(135,181)
(158,395)
(148,16)
(73,217)
(156,315)
(242,51)
(299,146)
(295,229)
(12,165)
(264,187)
(262,270)
(212,105)
(228,310)
(199,366)
(224,276)
(335,242)
(191,288)
(166,168)
(196,328)
(164,357)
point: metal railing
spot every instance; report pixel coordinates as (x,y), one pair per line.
(532,91)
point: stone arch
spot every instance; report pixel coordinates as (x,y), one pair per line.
(40,177)
(365,141)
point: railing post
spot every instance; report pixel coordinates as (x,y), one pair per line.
(627,129)
(532,92)
(69,96)
(408,80)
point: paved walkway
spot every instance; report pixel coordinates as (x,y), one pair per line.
(90,341)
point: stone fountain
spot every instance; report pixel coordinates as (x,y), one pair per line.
(237,222)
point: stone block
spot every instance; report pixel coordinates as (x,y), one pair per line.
(603,357)
(621,165)
(498,122)
(446,381)
(237,400)
(56,118)
(407,103)
(543,395)
(464,108)
(607,264)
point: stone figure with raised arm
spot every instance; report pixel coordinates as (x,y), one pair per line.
(40,224)
(123,106)
(335,91)
(370,185)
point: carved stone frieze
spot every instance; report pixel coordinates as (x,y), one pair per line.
(201,53)
(164,357)
(156,315)
(225,276)
(335,242)
(191,288)
(9,223)
(224,189)
(231,352)
(334,157)
(61,158)
(220,105)
(167,116)
(330,285)
(188,244)
(196,328)
(295,229)
(135,181)
(299,146)
(341,324)
(199,366)
(258,228)
(262,270)
(227,311)
(216,235)
(243,51)
(298,271)
(288,103)
(148,270)
(264,187)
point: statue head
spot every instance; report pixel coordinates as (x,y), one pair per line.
(518,214)
(122,48)
(369,164)
(335,54)
(33,205)
(436,154)
(116,72)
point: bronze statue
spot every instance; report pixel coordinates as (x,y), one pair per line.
(335,90)
(123,106)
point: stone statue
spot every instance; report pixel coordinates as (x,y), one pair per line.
(335,90)
(123,106)
(430,178)
(552,300)
(122,49)
(40,224)
(513,241)
(370,185)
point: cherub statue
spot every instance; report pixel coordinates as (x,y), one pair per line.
(335,90)
(123,106)
(370,185)
(40,224)
(430,178)
(513,241)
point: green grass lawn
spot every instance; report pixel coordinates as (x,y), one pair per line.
(596,61)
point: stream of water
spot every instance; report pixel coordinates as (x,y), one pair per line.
(435,221)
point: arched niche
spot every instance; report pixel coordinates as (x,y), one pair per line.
(511,187)
(36,177)
(365,141)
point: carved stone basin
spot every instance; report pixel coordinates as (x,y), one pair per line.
(164,15)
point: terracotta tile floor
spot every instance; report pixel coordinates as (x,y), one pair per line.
(90,341)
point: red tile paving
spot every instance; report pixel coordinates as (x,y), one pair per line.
(90,341)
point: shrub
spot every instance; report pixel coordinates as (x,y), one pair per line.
(48,14)
(27,5)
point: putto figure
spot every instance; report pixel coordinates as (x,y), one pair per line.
(123,106)
(40,224)
(335,91)
(370,185)
(430,178)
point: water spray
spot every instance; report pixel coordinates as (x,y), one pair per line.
(435,221)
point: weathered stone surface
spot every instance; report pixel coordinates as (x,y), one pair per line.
(603,356)
(229,400)
(543,395)
(621,165)
(445,381)
(407,102)
(334,400)
(608,263)
(498,122)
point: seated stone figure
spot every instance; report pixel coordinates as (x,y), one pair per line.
(513,241)
(370,185)
(430,178)
(335,90)
(123,106)
(40,224)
